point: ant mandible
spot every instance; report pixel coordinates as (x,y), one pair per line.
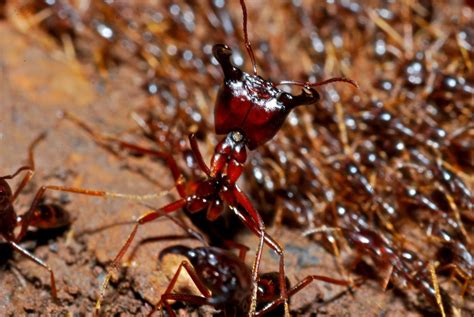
(249,111)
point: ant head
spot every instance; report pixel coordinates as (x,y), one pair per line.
(5,194)
(176,250)
(252,105)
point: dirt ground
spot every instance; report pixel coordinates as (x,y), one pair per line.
(36,83)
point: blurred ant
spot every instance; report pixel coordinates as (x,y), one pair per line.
(249,111)
(224,279)
(403,266)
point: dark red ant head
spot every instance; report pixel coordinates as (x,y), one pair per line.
(5,194)
(251,105)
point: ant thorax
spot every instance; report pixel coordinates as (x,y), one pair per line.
(230,155)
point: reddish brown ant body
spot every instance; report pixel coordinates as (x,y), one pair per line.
(40,216)
(224,279)
(43,216)
(249,111)
(403,266)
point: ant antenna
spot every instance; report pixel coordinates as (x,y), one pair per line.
(319,83)
(246,37)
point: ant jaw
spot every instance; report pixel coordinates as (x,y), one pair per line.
(308,96)
(223,53)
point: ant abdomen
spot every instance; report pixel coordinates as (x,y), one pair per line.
(50,216)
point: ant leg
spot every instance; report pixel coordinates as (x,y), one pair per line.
(196,300)
(180,223)
(29,174)
(255,223)
(455,270)
(24,181)
(192,273)
(100,140)
(250,223)
(298,287)
(37,261)
(30,168)
(26,219)
(170,161)
(145,218)
(243,249)
(18,171)
(439,299)
(197,154)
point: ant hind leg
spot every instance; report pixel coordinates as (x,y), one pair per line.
(167,295)
(145,218)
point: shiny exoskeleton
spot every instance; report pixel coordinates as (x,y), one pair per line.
(225,282)
(249,111)
(39,215)
(405,267)
(267,108)
(251,105)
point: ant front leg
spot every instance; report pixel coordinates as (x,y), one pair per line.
(145,218)
(167,295)
(255,223)
(37,261)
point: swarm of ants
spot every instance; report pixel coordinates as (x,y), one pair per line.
(380,176)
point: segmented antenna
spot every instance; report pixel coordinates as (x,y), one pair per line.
(246,37)
(319,83)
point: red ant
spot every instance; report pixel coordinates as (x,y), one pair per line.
(249,111)
(39,215)
(224,278)
(224,281)
(10,220)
